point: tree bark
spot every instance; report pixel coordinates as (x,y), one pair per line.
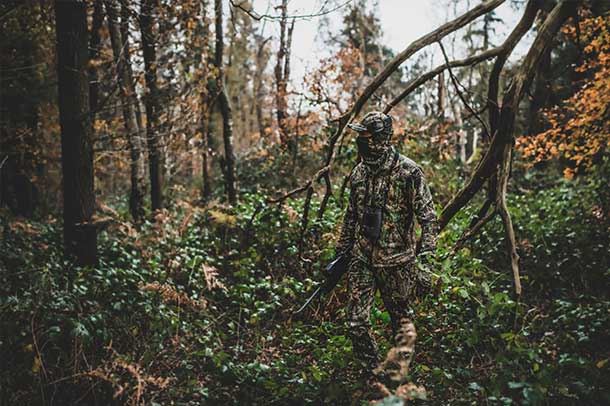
(138,172)
(94,52)
(153,107)
(515,36)
(259,95)
(228,163)
(542,94)
(124,28)
(282,74)
(206,101)
(80,236)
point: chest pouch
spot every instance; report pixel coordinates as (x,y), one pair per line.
(372,215)
(371,223)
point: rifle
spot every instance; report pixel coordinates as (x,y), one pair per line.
(334,271)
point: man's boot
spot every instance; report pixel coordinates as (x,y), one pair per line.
(370,387)
(374,389)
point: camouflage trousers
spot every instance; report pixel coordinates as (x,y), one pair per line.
(398,286)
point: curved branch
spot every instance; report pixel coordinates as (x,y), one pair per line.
(418,44)
(523,26)
(503,175)
(420,80)
(504,130)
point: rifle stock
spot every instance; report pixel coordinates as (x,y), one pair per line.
(334,271)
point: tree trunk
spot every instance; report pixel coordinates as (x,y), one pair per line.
(76,132)
(152,103)
(542,94)
(441,103)
(227,135)
(138,183)
(461,137)
(228,163)
(259,88)
(124,28)
(206,101)
(282,74)
(94,52)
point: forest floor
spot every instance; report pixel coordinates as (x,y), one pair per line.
(196,308)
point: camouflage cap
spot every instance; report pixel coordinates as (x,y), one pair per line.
(374,122)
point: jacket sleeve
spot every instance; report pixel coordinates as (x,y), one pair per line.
(426,216)
(348,228)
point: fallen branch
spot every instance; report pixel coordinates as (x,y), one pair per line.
(499,164)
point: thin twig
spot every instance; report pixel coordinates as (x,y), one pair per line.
(259,17)
(459,93)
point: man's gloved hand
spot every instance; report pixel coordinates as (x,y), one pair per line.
(423,274)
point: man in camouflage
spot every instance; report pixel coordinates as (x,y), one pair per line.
(393,187)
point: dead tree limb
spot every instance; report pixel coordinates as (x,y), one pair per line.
(483,217)
(415,46)
(504,130)
(496,163)
(503,176)
(523,26)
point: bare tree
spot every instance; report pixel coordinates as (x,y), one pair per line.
(94,52)
(259,88)
(282,74)
(228,161)
(127,92)
(80,236)
(148,14)
(207,103)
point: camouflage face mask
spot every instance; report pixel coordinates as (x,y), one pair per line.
(374,140)
(371,149)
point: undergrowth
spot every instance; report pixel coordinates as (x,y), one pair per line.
(196,308)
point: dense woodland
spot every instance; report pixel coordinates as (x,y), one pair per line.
(170,193)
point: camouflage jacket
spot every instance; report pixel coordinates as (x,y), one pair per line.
(400,187)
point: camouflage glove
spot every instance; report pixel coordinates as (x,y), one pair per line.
(423,274)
